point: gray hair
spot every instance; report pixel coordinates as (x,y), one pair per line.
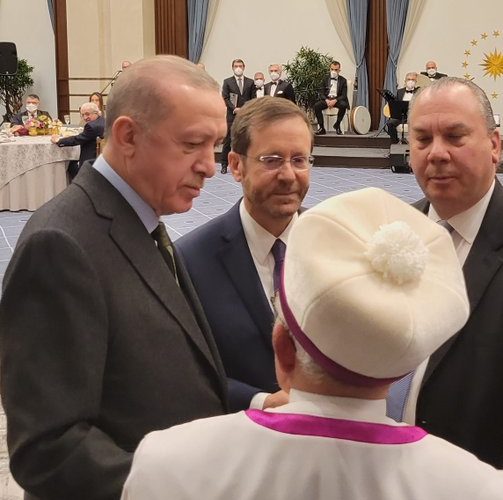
(91,106)
(312,370)
(452,81)
(143,91)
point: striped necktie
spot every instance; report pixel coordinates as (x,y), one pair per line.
(278,251)
(165,246)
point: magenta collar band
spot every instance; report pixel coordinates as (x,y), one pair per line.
(335,369)
(310,425)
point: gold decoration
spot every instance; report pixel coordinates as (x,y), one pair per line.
(494,95)
(464,64)
(467,76)
(468,53)
(496,33)
(484,36)
(493,64)
(474,42)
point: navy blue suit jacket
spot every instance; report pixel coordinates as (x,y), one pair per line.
(221,267)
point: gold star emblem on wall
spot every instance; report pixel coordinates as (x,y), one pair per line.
(496,33)
(474,42)
(467,53)
(493,64)
(494,95)
(484,36)
(467,76)
(464,64)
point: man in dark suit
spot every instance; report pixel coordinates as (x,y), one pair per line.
(431,71)
(455,149)
(236,90)
(94,128)
(31,111)
(230,259)
(334,94)
(258,87)
(278,87)
(403,94)
(102,337)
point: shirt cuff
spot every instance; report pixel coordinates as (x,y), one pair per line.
(257,402)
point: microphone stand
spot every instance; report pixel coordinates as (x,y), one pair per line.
(111,82)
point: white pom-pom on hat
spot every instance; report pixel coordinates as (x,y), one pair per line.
(397,252)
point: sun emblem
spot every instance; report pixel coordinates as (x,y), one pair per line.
(493,64)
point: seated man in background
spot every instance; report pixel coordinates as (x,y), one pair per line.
(337,350)
(232,258)
(403,94)
(333,95)
(94,128)
(431,71)
(31,112)
(278,87)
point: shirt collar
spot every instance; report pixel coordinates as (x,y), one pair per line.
(259,239)
(467,223)
(142,209)
(363,410)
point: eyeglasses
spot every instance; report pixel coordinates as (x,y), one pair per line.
(275,162)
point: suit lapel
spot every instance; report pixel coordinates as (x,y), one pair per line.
(238,262)
(130,235)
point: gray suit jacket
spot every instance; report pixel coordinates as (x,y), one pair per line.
(461,397)
(98,345)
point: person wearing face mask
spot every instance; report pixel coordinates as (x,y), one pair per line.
(403,94)
(31,111)
(334,94)
(236,90)
(431,71)
(258,90)
(278,87)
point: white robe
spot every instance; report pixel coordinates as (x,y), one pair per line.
(271,456)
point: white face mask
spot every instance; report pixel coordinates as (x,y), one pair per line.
(410,84)
(259,83)
(31,107)
(274,76)
(334,74)
(238,71)
(431,72)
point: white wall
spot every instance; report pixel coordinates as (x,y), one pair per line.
(262,32)
(28,25)
(445,32)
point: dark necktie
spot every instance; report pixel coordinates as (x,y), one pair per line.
(278,252)
(165,246)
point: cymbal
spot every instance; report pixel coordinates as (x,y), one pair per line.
(423,81)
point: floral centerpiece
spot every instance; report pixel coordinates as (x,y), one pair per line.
(41,125)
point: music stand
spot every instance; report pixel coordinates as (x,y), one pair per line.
(388,96)
(398,111)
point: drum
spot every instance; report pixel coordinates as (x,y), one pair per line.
(360,120)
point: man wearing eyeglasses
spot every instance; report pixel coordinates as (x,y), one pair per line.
(231,259)
(94,127)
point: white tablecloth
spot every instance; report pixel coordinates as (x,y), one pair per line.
(32,171)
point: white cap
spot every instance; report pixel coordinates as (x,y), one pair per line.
(371,287)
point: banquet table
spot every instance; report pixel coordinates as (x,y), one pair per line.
(32,171)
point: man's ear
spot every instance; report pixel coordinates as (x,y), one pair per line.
(235,165)
(125,132)
(284,348)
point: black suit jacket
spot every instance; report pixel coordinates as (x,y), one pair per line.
(224,275)
(86,139)
(284,89)
(342,90)
(461,396)
(18,118)
(230,88)
(98,345)
(400,93)
(436,77)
